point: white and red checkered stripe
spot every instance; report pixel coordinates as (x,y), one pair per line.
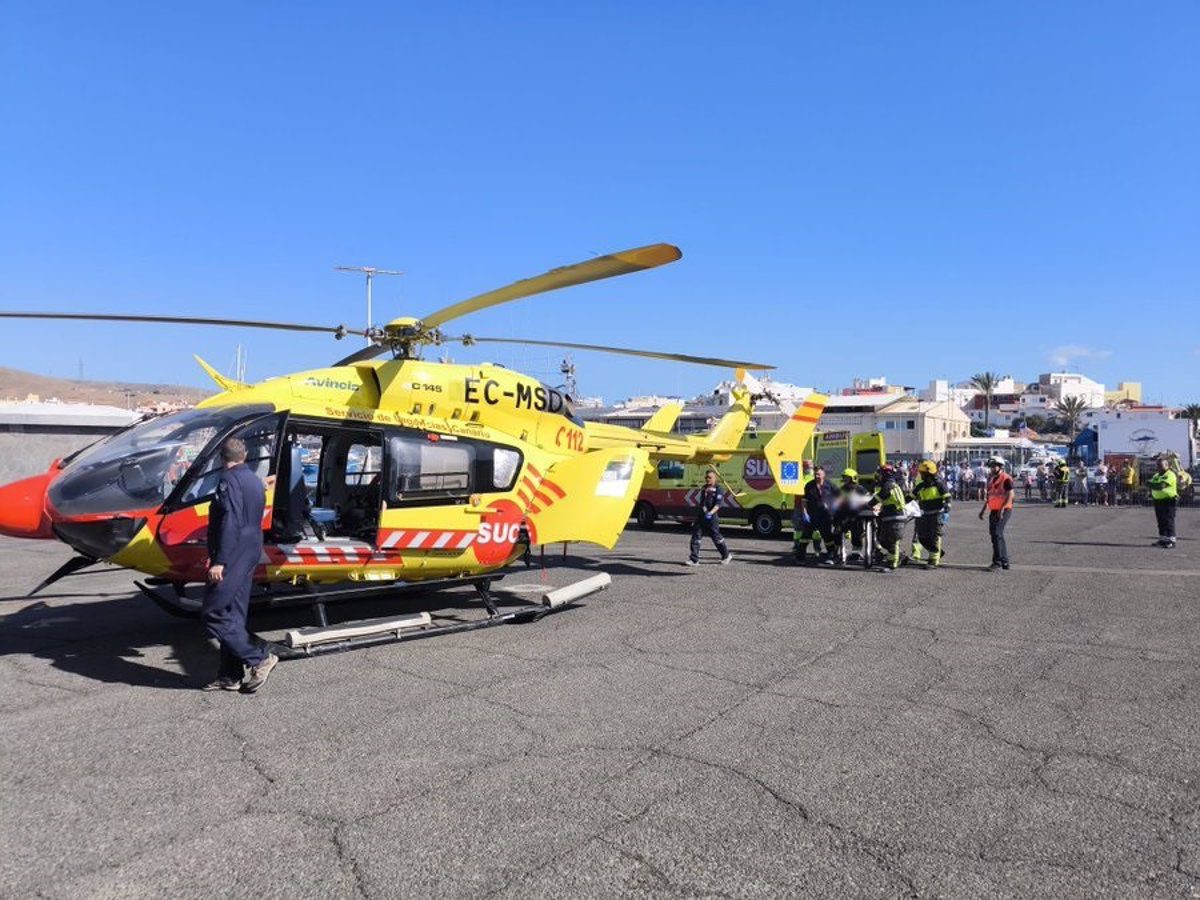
(426,539)
(338,554)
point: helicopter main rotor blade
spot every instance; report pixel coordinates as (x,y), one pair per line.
(624,351)
(580,273)
(338,330)
(363,354)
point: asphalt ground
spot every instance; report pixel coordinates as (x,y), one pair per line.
(744,730)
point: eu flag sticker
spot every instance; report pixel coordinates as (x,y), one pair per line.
(789,472)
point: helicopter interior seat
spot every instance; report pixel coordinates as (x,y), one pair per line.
(293,518)
(349,499)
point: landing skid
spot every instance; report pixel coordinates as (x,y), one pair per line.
(178,604)
(375,632)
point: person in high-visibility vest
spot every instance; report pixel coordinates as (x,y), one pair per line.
(998,504)
(1062,483)
(933,497)
(1164,491)
(890,500)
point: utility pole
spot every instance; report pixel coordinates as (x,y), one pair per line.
(370,272)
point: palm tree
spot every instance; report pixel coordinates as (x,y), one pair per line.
(986,382)
(1071,408)
(1192,411)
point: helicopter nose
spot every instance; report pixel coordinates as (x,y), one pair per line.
(23,507)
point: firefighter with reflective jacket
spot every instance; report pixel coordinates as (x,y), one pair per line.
(933,497)
(1062,483)
(1164,491)
(889,499)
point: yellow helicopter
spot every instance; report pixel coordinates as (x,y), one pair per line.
(377,471)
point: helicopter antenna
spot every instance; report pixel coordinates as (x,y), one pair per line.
(567,368)
(370,272)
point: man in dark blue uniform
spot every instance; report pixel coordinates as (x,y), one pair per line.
(708,511)
(235,542)
(816,514)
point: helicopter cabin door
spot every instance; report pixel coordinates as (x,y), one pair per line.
(328,499)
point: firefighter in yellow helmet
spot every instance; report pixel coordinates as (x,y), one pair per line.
(933,497)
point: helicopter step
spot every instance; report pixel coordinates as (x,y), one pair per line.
(302,638)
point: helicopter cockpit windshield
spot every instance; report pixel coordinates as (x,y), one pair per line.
(138,469)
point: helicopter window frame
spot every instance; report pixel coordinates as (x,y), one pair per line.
(481,474)
(200,466)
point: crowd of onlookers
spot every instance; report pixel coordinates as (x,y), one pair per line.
(1100,485)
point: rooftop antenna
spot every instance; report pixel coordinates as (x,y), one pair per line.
(239,363)
(370,272)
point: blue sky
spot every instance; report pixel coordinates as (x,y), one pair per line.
(912,189)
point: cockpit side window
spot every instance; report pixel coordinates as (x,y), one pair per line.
(261,437)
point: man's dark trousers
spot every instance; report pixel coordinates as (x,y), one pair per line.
(997,519)
(235,541)
(710,526)
(819,523)
(1164,513)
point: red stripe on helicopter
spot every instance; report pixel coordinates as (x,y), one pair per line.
(554,488)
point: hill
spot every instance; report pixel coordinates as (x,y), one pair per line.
(17,385)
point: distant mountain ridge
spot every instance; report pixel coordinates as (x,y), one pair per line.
(17,385)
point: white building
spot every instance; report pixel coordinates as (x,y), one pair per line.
(940,389)
(1061,385)
(912,429)
(647,401)
(723,393)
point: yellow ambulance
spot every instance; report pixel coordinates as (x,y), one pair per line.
(751,493)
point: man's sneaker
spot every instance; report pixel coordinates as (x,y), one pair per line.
(692,562)
(224,683)
(726,559)
(993,567)
(1170,544)
(1004,566)
(259,674)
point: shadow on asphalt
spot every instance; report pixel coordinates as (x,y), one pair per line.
(79,638)
(104,637)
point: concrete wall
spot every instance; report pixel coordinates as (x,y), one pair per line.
(22,455)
